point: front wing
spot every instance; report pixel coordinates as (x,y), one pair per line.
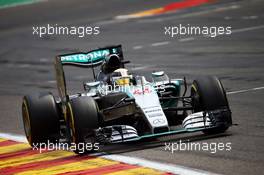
(211,120)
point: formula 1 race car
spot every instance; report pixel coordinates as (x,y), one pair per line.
(121,107)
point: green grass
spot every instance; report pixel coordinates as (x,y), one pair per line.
(10,3)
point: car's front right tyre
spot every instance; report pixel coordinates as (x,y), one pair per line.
(208,94)
(40,119)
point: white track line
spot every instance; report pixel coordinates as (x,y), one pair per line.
(140,68)
(245,90)
(175,169)
(51,81)
(15,137)
(247,29)
(186,39)
(160,43)
(137,47)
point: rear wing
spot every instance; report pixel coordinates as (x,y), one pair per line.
(81,59)
(92,58)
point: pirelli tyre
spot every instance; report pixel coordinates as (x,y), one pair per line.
(83,119)
(40,118)
(209,95)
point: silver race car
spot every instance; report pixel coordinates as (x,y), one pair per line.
(120,107)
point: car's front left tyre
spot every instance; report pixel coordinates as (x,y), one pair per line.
(83,119)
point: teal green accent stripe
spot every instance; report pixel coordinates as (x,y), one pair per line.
(13,3)
(177,131)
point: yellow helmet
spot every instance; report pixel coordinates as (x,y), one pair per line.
(121,77)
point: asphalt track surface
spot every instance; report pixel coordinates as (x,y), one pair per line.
(26,66)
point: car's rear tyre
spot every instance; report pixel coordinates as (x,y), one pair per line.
(83,119)
(40,119)
(208,94)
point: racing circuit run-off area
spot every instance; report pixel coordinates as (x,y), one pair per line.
(123,87)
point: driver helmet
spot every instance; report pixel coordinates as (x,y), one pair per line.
(111,63)
(121,77)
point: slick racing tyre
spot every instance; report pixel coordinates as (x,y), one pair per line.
(82,117)
(208,94)
(40,119)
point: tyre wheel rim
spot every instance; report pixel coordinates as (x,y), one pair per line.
(26,121)
(195,99)
(71,123)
